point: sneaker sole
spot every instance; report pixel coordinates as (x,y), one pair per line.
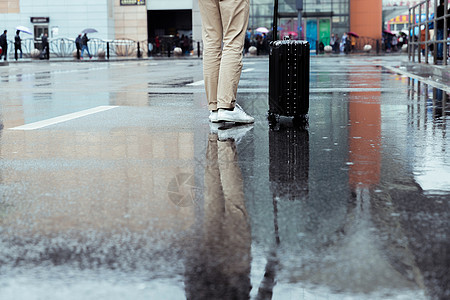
(236,121)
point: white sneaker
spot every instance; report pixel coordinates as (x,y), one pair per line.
(235,132)
(213,116)
(236,115)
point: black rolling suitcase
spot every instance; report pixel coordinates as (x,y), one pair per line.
(288,75)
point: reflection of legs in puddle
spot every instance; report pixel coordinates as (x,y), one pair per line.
(223,268)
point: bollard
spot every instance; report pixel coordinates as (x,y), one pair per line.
(317,47)
(198,49)
(378,46)
(107,50)
(138,50)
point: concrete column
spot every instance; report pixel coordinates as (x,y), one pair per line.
(196,26)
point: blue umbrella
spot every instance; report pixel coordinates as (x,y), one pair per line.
(24,29)
(89,30)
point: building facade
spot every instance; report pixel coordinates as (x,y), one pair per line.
(141,20)
(113,19)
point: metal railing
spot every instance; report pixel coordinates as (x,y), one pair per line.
(357,47)
(65,47)
(422,18)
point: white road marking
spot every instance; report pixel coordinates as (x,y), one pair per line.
(197,83)
(248,70)
(63,118)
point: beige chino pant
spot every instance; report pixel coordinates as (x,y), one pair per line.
(224,25)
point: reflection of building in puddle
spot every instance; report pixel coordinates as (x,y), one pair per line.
(428,111)
(365,132)
(43,79)
(11,110)
(357,253)
(171,100)
(427,102)
(131,95)
(95,181)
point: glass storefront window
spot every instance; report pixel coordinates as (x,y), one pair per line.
(320,19)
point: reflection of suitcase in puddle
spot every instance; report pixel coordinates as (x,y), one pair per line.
(289,163)
(288,75)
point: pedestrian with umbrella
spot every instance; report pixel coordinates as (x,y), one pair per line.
(17,45)
(78,45)
(18,40)
(4,44)
(345,43)
(84,46)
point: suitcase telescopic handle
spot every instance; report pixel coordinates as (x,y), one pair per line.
(275,21)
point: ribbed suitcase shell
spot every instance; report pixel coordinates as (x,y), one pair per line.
(289,78)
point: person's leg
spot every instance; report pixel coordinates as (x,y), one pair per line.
(89,53)
(15,53)
(212,48)
(234,16)
(82,50)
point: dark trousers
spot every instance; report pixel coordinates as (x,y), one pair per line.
(78,52)
(46,51)
(17,48)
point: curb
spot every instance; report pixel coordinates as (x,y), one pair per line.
(427,70)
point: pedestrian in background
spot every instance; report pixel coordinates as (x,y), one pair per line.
(4,44)
(224,27)
(440,30)
(84,46)
(259,44)
(248,36)
(344,43)
(45,47)
(17,45)
(157,45)
(78,45)
(186,44)
(332,41)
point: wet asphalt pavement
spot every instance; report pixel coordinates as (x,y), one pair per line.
(117,187)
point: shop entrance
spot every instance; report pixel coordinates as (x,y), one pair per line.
(39,31)
(318,30)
